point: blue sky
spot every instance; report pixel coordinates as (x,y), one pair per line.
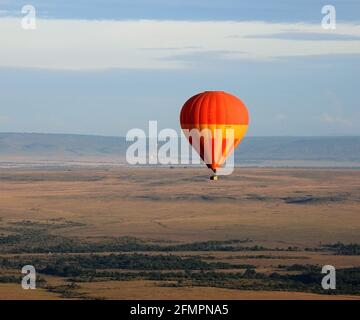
(265,10)
(104,67)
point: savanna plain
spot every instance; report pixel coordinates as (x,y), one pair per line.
(171,233)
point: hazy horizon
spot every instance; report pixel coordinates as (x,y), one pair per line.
(69,149)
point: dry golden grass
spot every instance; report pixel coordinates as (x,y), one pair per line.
(16,292)
(149,290)
(182,205)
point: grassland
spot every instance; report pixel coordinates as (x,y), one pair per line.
(138,233)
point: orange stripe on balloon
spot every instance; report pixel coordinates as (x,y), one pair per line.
(214,107)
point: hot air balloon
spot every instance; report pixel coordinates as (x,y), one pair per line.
(212,113)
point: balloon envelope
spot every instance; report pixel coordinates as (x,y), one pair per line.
(212,114)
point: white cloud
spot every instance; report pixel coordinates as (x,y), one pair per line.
(331,119)
(89,44)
